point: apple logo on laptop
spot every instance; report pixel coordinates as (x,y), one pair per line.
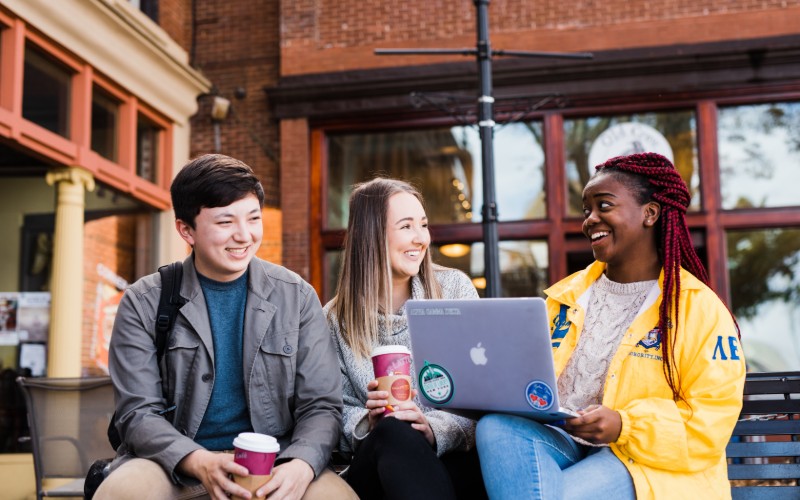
(478,354)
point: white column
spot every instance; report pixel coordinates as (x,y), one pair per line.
(66,310)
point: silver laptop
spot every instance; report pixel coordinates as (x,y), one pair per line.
(479,356)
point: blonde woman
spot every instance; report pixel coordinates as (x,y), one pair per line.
(412,452)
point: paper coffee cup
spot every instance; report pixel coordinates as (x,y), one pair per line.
(256,452)
(392,367)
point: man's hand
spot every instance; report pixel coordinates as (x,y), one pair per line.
(289,481)
(596,424)
(212,470)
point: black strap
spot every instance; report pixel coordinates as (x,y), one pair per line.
(168,304)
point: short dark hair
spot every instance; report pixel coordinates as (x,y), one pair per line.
(210,181)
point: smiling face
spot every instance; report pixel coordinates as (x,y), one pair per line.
(225,239)
(621,229)
(407,235)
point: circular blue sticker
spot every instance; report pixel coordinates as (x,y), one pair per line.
(436,383)
(539,395)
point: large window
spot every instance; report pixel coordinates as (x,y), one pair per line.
(740,160)
(523,265)
(591,141)
(445,164)
(46,92)
(764,270)
(105,112)
(148,135)
(759,155)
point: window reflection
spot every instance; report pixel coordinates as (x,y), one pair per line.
(764,271)
(759,151)
(523,266)
(591,141)
(147,136)
(46,92)
(104,124)
(445,164)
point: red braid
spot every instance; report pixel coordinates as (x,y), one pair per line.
(656,179)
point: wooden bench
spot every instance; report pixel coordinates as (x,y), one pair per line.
(764,451)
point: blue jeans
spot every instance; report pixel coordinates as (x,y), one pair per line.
(521,458)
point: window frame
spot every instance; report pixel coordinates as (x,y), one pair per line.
(561,231)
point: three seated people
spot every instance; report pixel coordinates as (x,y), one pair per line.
(252,350)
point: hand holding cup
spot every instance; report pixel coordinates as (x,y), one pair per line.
(392,367)
(257,453)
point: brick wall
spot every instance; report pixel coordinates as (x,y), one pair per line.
(175,17)
(110,242)
(333,35)
(295,190)
(271,248)
(236,47)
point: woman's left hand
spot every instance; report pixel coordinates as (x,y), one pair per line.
(596,424)
(408,411)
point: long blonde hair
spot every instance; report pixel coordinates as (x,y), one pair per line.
(364,288)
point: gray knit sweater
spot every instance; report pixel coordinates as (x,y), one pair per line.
(452,432)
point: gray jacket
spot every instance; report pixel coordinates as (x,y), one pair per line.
(291,372)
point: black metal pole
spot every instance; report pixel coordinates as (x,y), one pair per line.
(491,251)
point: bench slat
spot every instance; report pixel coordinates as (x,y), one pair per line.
(766,427)
(785,385)
(762,471)
(762,406)
(763,449)
(765,492)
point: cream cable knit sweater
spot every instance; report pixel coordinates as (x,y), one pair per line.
(452,432)
(611,310)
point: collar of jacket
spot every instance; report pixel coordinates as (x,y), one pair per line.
(569,290)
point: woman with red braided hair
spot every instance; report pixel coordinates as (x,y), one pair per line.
(646,353)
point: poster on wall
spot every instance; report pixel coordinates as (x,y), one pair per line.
(9,302)
(33,357)
(110,289)
(33,316)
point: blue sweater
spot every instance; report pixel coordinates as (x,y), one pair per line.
(227,414)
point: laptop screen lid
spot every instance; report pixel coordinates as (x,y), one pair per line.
(484,355)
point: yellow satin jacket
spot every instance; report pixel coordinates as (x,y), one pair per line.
(671,449)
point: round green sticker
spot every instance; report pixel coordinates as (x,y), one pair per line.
(436,383)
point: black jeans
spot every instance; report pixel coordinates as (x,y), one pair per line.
(396,462)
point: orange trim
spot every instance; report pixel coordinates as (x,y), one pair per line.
(165,172)
(126,155)
(53,50)
(14,34)
(11,64)
(80,118)
(47,143)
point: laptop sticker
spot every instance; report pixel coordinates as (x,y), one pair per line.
(436,383)
(539,395)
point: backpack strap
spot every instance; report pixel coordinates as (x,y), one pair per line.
(169,303)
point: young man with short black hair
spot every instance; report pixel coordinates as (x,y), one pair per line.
(249,351)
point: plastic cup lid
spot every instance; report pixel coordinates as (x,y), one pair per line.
(390,349)
(253,441)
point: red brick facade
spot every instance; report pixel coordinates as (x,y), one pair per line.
(236,47)
(251,44)
(109,242)
(329,35)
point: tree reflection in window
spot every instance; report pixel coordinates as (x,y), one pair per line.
(677,127)
(764,271)
(445,164)
(759,154)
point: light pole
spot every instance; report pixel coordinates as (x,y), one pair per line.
(483,52)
